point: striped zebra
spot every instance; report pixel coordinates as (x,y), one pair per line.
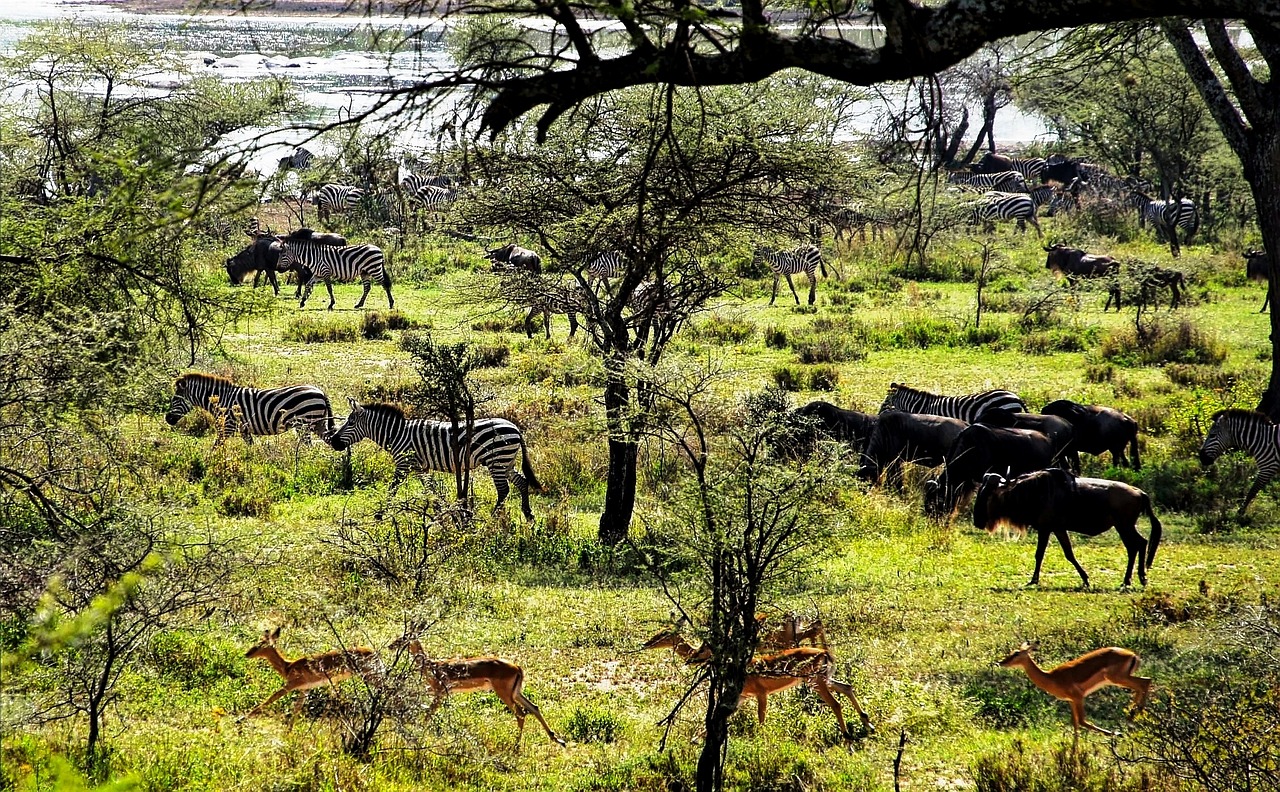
(1248,431)
(606,265)
(993,407)
(431,192)
(1166,217)
(845,220)
(250,411)
(1029,168)
(998,163)
(300,159)
(806,259)
(319,262)
(418,444)
(336,197)
(1009,181)
(995,206)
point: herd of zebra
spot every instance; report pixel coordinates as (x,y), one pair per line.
(431,195)
(985,446)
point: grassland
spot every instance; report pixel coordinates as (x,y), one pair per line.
(917,611)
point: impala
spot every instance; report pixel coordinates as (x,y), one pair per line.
(475,673)
(312,671)
(1075,679)
(789,635)
(769,674)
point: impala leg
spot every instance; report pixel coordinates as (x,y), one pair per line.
(762,706)
(297,708)
(533,710)
(847,690)
(824,692)
(1065,542)
(270,700)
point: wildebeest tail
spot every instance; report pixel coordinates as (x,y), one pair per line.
(1154,541)
(527,469)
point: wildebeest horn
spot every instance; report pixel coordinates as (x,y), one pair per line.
(993,479)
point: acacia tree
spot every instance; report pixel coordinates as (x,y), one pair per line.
(681,184)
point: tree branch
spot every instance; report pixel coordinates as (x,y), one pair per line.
(1242,81)
(1209,86)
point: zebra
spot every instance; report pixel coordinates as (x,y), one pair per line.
(429,445)
(300,159)
(339,197)
(250,411)
(606,265)
(320,262)
(993,407)
(1009,181)
(998,163)
(845,220)
(1029,168)
(1006,206)
(1166,217)
(1248,431)
(806,259)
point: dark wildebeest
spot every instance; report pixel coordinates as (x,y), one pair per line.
(1061,169)
(259,257)
(980,450)
(1052,502)
(1097,430)
(908,437)
(818,420)
(515,257)
(1255,268)
(1074,263)
(1059,432)
(1151,279)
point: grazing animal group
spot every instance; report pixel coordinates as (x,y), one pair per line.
(314,258)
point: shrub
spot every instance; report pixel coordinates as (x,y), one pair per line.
(1163,342)
(1189,375)
(789,378)
(307,330)
(1099,372)
(775,337)
(1063,769)
(373,326)
(823,378)
(494,356)
(245,501)
(1049,341)
(197,423)
(829,348)
(593,724)
(725,330)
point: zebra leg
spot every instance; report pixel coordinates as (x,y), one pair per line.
(522,487)
(792,286)
(813,287)
(1036,225)
(501,485)
(365,294)
(1258,484)
(306,292)
(774,296)
(328,284)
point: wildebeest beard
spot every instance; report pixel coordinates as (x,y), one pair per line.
(1015,505)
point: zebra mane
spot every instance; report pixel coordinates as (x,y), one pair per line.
(898,387)
(387,408)
(200,376)
(1252,416)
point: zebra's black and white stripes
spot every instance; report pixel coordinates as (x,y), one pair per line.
(806,259)
(430,192)
(993,407)
(1009,181)
(418,444)
(1248,431)
(1166,217)
(336,197)
(329,263)
(1006,206)
(250,411)
(606,265)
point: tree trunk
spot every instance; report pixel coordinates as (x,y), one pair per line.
(710,776)
(1263,174)
(620,484)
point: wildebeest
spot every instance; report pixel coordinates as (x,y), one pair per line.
(259,257)
(908,437)
(1052,502)
(1150,279)
(819,419)
(1059,432)
(1075,263)
(979,450)
(1256,269)
(1097,430)
(515,257)
(1061,169)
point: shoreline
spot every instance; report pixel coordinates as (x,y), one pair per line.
(251,8)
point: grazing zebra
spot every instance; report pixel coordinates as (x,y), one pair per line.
(998,163)
(1249,431)
(300,159)
(336,197)
(431,192)
(1166,217)
(414,182)
(845,220)
(604,266)
(249,411)
(1006,206)
(806,259)
(1009,181)
(319,262)
(429,445)
(993,407)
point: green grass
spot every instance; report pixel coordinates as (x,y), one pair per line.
(916,612)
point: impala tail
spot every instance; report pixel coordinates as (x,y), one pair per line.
(1154,541)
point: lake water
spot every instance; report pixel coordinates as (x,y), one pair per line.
(334,62)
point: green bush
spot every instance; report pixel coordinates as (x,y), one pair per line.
(491,356)
(827,348)
(1190,375)
(775,337)
(373,326)
(590,724)
(823,378)
(1063,769)
(309,330)
(1163,342)
(789,378)
(724,329)
(245,501)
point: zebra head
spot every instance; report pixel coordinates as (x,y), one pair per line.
(891,400)
(1220,440)
(179,405)
(353,430)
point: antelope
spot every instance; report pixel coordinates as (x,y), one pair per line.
(312,671)
(769,674)
(1075,679)
(475,673)
(789,635)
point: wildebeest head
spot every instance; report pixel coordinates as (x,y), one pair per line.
(1061,169)
(991,483)
(259,254)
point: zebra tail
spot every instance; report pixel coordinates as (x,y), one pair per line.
(1156,530)
(822,267)
(386,271)
(527,468)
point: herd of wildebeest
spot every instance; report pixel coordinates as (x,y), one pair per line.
(1019,469)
